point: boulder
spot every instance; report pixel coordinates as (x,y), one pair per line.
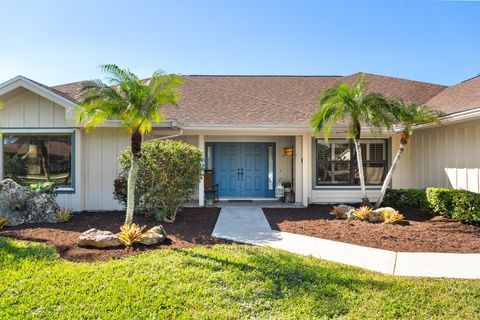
(343,211)
(23,205)
(154,236)
(98,239)
(377,214)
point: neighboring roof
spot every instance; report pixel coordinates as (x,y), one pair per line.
(461,97)
(256,101)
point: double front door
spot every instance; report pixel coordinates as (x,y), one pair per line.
(244,169)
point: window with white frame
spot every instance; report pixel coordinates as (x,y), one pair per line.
(39,157)
(336,162)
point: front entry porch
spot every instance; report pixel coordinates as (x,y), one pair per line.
(250,167)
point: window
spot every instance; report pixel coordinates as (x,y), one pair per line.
(336,162)
(33,158)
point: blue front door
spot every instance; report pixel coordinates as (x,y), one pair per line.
(242,169)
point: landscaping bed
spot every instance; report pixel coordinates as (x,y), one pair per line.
(193,226)
(424,232)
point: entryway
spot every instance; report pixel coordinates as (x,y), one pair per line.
(244,169)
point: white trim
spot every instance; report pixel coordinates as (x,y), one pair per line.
(201,186)
(35,130)
(21,81)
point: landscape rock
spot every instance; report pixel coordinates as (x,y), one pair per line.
(23,205)
(98,239)
(377,215)
(154,236)
(343,211)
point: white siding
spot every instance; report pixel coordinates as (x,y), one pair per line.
(29,110)
(446,156)
(101,148)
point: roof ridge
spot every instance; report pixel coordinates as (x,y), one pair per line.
(265,75)
(398,78)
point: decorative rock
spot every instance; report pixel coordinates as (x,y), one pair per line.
(98,239)
(154,236)
(377,215)
(343,211)
(22,205)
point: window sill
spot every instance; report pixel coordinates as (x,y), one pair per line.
(65,190)
(375,187)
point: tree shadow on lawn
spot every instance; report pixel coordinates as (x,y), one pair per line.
(14,252)
(329,287)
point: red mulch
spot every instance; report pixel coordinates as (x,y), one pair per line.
(193,226)
(425,232)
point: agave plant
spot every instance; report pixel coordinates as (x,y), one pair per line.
(362,213)
(130,233)
(392,216)
(63,214)
(3,221)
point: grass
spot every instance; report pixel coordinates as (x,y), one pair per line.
(223,282)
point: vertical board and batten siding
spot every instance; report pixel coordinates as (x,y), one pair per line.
(31,111)
(447,156)
(101,148)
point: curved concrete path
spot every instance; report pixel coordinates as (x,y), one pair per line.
(249,225)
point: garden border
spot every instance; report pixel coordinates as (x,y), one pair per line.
(249,225)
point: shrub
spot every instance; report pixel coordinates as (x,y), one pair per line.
(465,206)
(168,173)
(362,213)
(130,233)
(401,198)
(63,214)
(440,200)
(392,216)
(43,187)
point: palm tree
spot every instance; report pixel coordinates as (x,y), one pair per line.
(406,117)
(136,103)
(344,102)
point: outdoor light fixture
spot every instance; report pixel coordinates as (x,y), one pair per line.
(288,151)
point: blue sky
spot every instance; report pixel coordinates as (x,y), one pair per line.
(64,41)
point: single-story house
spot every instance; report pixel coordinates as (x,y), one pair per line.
(247,127)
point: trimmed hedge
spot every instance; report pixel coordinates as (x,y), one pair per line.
(400,198)
(458,204)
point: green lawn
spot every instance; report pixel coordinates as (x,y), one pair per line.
(223,282)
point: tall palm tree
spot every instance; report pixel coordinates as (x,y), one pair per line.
(344,102)
(136,103)
(406,117)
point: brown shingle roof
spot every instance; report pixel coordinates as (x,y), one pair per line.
(268,100)
(460,97)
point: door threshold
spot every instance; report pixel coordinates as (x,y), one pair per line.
(233,199)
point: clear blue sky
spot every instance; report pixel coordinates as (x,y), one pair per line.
(64,41)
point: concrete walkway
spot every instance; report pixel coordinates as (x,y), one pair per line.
(248,224)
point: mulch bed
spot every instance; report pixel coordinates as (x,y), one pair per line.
(193,226)
(425,232)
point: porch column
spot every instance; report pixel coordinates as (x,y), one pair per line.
(305,163)
(298,170)
(201,187)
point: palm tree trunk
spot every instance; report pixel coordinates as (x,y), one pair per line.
(388,178)
(358,150)
(136,142)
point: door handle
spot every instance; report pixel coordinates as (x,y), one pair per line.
(238,173)
(241,172)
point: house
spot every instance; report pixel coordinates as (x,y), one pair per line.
(246,126)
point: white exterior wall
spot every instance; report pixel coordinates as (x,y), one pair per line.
(29,110)
(445,156)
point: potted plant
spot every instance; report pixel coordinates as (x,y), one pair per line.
(287,185)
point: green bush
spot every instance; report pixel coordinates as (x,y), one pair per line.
(466,206)
(168,173)
(440,200)
(401,198)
